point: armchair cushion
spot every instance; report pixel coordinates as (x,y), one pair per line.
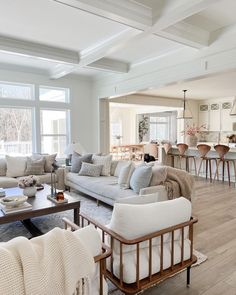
(127,219)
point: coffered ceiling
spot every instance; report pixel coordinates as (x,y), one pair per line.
(88,37)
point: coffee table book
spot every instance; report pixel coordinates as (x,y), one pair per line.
(9,210)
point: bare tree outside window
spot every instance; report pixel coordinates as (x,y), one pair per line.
(15,131)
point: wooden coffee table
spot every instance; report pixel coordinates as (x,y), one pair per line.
(41,206)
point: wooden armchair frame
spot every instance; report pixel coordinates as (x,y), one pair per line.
(152,279)
(101,259)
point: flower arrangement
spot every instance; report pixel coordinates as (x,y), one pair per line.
(28,181)
(193,130)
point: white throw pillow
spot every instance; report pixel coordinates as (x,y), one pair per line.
(125,175)
(105,161)
(120,165)
(15,166)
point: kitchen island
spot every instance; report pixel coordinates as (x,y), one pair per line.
(193,151)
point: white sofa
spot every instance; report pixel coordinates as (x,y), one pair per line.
(8,182)
(107,189)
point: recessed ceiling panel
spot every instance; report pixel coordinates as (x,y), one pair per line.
(139,49)
(55,24)
(217,16)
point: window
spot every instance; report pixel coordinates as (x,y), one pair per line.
(33,119)
(53,94)
(159,128)
(15,131)
(16,91)
(53,131)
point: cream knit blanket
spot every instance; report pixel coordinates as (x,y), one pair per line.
(184,180)
(56,263)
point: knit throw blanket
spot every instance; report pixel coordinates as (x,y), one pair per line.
(56,263)
(178,183)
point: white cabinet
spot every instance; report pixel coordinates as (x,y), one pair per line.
(226,119)
(215,117)
(203,115)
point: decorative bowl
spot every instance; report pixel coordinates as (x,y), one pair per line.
(13,201)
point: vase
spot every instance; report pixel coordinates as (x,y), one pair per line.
(30,191)
(191,140)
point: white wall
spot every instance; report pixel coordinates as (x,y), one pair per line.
(82,104)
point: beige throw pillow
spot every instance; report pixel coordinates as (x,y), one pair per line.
(15,166)
(35,167)
(125,175)
(120,165)
(49,160)
(105,161)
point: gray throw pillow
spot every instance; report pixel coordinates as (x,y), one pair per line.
(35,167)
(88,169)
(77,159)
(140,178)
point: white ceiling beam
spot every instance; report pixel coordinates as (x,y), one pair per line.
(127,12)
(187,34)
(97,52)
(26,48)
(111,65)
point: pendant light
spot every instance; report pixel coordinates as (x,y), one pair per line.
(185,113)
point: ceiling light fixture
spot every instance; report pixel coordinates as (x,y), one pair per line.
(185,113)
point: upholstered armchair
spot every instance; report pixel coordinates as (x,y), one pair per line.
(149,242)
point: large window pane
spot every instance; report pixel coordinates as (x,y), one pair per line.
(15,131)
(16,91)
(53,122)
(54,131)
(53,144)
(54,94)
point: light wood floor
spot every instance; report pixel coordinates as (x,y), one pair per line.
(215,236)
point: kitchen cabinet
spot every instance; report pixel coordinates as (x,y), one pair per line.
(203,115)
(215,115)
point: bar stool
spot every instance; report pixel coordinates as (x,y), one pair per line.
(222,150)
(183,147)
(203,150)
(167,147)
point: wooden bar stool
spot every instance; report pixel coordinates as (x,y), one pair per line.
(183,147)
(167,147)
(222,150)
(203,150)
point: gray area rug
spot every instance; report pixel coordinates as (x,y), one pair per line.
(101,213)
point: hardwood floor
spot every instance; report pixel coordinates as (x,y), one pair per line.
(215,236)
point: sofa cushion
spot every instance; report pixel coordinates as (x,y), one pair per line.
(140,178)
(35,167)
(49,160)
(105,186)
(7,182)
(120,165)
(113,166)
(3,167)
(159,174)
(125,175)
(105,161)
(77,159)
(88,169)
(15,166)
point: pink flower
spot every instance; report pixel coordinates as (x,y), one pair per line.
(28,181)
(193,130)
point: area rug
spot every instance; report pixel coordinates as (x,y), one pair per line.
(101,213)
